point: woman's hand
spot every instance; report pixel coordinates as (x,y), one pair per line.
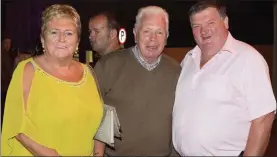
(49,152)
(35,148)
(99,148)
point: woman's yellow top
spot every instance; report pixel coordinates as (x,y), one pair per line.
(60,115)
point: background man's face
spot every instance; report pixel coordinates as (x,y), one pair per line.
(99,34)
(7,44)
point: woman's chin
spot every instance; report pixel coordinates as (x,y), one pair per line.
(64,57)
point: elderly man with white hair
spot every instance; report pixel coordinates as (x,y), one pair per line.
(140,83)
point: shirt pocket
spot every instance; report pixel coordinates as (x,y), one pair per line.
(217,87)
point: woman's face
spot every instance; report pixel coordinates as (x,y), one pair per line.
(60,39)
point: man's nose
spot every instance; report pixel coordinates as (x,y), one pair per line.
(153,36)
(204,30)
(92,34)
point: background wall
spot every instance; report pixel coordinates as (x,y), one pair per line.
(250,21)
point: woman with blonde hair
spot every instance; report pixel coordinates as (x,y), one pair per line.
(53,107)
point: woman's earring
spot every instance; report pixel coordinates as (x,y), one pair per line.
(77,49)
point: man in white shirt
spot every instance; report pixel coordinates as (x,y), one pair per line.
(224,104)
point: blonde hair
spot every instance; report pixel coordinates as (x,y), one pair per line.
(152,10)
(60,10)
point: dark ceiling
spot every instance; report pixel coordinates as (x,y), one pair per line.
(250,21)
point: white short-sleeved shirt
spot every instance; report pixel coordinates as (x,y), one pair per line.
(214,105)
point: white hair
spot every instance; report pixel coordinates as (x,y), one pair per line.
(152,10)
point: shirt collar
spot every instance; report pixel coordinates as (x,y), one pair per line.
(229,44)
(145,64)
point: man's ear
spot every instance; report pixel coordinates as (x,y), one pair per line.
(113,34)
(135,35)
(226,22)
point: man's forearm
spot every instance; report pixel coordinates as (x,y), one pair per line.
(99,148)
(259,135)
(35,148)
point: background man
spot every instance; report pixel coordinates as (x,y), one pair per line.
(103,29)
